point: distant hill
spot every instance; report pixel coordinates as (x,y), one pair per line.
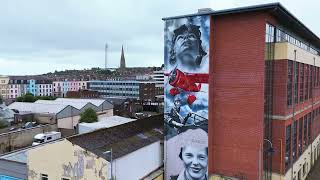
(99,73)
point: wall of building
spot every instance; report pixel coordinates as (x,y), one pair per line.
(68,122)
(306,160)
(236,96)
(65,161)
(139,163)
(23,138)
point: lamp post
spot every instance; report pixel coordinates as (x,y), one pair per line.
(271,147)
(110,152)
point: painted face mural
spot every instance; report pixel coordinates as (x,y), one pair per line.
(195,162)
(186,98)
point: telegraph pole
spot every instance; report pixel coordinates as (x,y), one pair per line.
(106,57)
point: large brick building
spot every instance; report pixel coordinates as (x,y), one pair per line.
(264,94)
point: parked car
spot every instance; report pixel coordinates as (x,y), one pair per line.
(46,137)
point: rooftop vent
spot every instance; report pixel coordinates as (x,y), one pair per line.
(205,10)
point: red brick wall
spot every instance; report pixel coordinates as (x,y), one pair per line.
(280,87)
(236,94)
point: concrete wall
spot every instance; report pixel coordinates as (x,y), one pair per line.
(138,164)
(13,169)
(65,161)
(23,138)
(106,113)
(68,123)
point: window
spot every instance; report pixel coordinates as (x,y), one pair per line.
(294,143)
(304,169)
(288,146)
(310,81)
(305,126)
(44,177)
(65,179)
(306,71)
(296,81)
(309,128)
(289,84)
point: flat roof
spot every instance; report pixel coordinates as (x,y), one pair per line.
(277,10)
(106,122)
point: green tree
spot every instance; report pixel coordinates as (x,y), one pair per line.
(88,116)
(3,124)
(29,98)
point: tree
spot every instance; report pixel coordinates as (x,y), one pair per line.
(88,116)
(29,98)
(3,124)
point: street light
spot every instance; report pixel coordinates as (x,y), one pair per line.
(109,152)
(270,150)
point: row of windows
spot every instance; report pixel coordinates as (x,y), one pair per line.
(69,84)
(304,75)
(282,36)
(114,83)
(298,142)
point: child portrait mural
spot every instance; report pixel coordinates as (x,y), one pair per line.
(186,56)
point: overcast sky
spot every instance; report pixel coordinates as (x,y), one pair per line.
(39,36)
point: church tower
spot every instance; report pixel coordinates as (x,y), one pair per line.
(122,60)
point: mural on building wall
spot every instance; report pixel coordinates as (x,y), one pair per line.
(186,98)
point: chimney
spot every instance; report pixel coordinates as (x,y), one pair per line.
(205,10)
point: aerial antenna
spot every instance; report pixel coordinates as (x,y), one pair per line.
(106,57)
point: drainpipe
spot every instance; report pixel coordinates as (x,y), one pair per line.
(293,108)
(312,114)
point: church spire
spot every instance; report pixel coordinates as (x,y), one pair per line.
(122,60)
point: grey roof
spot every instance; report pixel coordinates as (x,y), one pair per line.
(123,139)
(38,108)
(96,102)
(18,156)
(275,9)
(77,104)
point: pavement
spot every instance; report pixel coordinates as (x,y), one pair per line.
(314,174)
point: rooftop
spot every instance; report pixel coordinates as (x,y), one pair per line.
(96,102)
(37,108)
(77,104)
(106,122)
(123,139)
(286,19)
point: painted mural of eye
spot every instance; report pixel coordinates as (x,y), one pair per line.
(189,155)
(180,37)
(192,36)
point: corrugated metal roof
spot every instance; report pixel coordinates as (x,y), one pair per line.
(79,105)
(123,139)
(38,108)
(96,102)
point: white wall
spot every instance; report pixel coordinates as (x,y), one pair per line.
(139,163)
(68,123)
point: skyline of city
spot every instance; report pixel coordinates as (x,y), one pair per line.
(42,40)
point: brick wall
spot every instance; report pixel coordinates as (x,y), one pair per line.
(236,94)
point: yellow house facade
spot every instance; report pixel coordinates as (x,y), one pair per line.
(62,160)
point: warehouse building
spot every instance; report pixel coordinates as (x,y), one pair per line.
(67,117)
